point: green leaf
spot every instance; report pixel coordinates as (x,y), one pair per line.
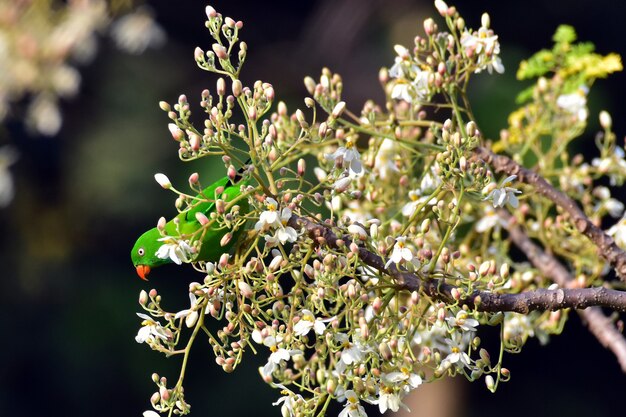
(525,95)
(564,34)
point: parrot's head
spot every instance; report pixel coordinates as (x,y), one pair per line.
(144,252)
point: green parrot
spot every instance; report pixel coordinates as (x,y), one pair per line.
(144,253)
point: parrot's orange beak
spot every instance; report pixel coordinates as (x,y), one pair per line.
(143,271)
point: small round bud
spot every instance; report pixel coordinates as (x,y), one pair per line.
(605,120)
(485,20)
(226,239)
(176,132)
(338,109)
(202,218)
(491,385)
(442,7)
(163,181)
(220,51)
(430,26)
(210,12)
(301,167)
(237,88)
(198,54)
(165,106)
(161,223)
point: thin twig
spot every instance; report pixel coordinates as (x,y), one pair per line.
(608,249)
(598,324)
(540,299)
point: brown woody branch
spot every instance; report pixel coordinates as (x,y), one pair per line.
(606,244)
(598,324)
(541,299)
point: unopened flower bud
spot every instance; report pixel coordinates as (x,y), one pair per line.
(605,120)
(442,7)
(198,54)
(245,288)
(194,142)
(221,86)
(357,230)
(220,51)
(231,172)
(323,129)
(429,26)
(301,167)
(210,12)
(194,178)
(485,21)
(269,93)
(483,269)
(224,260)
(143,297)
(338,109)
(237,87)
(161,223)
(163,181)
(176,132)
(490,383)
(164,105)
(226,239)
(202,218)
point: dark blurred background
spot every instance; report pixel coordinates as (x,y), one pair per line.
(69,292)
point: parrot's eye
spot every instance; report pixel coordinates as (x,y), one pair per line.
(141,251)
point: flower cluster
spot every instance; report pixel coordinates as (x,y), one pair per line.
(362,280)
(41,40)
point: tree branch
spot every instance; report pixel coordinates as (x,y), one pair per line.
(598,324)
(525,302)
(605,243)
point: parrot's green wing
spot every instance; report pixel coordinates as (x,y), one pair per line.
(186,227)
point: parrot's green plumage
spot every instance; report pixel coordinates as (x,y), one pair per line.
(144,253)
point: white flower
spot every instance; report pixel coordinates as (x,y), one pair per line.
(485,45)
(150,413)
(353,352)
(283,232)
(462,321)
(282,235)
(190,314)
(502,195)
(289,401)
(614,165)
(420,84)
(177,250)
(517,326)
(150,330)
(277,356)
(137,31)
(349,157)
(490,219)
(388,400)
(405,379)
(402,91)
(269,217)
(457,355)
(618,231)
(416,199)
(308,321)
(575,103)
(353,407)
(400,252)
(384,161)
